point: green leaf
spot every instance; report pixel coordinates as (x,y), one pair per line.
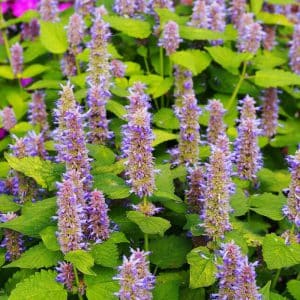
(256,5)
(53,37)
(293,286)
(118,237)
(6,72)
(44,172)
(102,286)
(162,136)
(268,60)
(116,108)
(192,33)
(274,19)
(228,59)
(166,15)
(46,84)
(37,257)
(194,60)
(4,169)
(149,225)
(268,205)
(49,238)
(2,257)
(132,27)
(202,268)
(21,128)
(34,50)
(164,179)
(165,118)
(35,217)
(163,87)
(265,291)
(81,260)
(41,285)
(7,204)
(33,70)
(102,154)
(239,203)
(169,252)
(276,78)
(167,290)
(106,254)
(111,185)
(273,181)
(16,278)
(277,254)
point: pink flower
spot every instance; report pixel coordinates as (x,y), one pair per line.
(64,6)
(21,6)
(26,81)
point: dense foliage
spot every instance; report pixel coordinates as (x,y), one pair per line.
(149,149)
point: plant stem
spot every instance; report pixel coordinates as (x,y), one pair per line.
(77,282)
(146,237)
(77,66)
(275,279)
(161,59)
(238,86)
(146,65)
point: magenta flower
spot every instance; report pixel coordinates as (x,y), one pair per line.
(19,7)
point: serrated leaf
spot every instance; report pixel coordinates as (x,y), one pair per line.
(265,291)
(53,37)
(166,15)
(169,252)
(228,59)
(167,290)
(273,181)
(7,204)
(34,218)
(102,286)
(293,286)
(194,60)
(149,225)
(102,154)
(116,108)
(239,203)
(49,238)
(118,237)
(202,268)
(277,254)
(16,278)
(268,205)
(41,285)
(165,118)
(82,260)
(36,257)
(111,185)
(162,136)
(106,254)
(33,70)
(268,60)
(164,179)
(132,27)
(44,172)
(276,78)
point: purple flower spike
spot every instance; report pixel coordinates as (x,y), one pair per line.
(247,288)
(66,275)
(183,84)
(98,220)
(292,209)
(230,271)
(99,57)
(30,30)
(13,241)
(97,121)
(70,216)
(216,124)
(247,155)
(237,9)
(84,7)
(196,193)
(147,208)
(136,145)
(161,4)
(219,187)
(217,16)
(75,31)
(8,118)
(170,38)
(250,34)
(200,18)
(35,145)
(70,136)
(37,113)
(189,136)
(270,112)
(117,68)
(136,282)
(68,64)
(269,41)
(17,59)
(295,50)
(125,7)
(49,10)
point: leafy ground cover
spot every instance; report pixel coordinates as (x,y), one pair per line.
(149,150)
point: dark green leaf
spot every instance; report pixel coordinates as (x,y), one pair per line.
(106,254)
(293,286)
(81,260)
(7,204)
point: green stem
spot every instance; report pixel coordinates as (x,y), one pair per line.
(146,65)
(238,86)
(77,66)
(275,279)
(161,59)
(77,282)
(146,237)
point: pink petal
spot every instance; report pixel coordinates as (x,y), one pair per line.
(26,81)
(64,6)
